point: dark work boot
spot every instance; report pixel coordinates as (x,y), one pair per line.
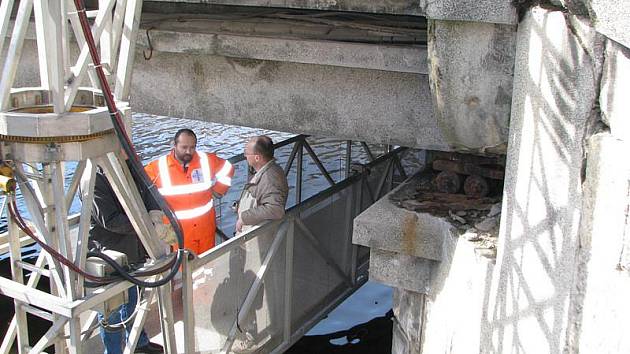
(150,348)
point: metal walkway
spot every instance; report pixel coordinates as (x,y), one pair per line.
(262,291)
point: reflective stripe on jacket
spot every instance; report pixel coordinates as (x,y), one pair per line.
(188,191)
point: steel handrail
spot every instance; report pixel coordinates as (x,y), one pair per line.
(293,211)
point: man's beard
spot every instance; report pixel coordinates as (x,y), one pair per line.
(185,158)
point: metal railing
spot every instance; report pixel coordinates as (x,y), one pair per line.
(261,291)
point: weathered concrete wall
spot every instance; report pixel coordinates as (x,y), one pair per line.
(457,300)
(470,69)
(602,285)
(490,11)
(602,279)
(555,87)
(441,283)
(538,300)
(610,17)
(561,282)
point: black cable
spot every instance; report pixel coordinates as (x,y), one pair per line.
(125,275)
(19,221)
(117,122)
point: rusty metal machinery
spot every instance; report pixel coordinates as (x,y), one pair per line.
(477,176)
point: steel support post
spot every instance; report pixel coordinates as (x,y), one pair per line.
(42,30)
(18,276)
(368,151)
(87,179)
(298,174)
(187,300)
(117,28)
(6,8)
(55,59)
(141,316)
(318,163)
(289,163)
(165,303)
(83,61)
(381,182)
(288,280)
(357,191)
(127,49)
(349,218)
(57,288)
(348,157)
(15,52)
(62,236)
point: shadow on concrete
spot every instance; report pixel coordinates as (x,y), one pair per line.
(531,291)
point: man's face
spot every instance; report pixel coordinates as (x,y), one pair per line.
(251,157)
(185,148)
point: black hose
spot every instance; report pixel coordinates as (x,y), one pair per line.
(141,283)
(117,122)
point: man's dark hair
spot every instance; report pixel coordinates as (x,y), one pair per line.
(184,131)
(263,145)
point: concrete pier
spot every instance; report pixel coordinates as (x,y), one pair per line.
(560,279)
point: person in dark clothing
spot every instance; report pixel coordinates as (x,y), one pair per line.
(111,229)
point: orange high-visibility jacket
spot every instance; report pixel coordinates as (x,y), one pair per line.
(188,191)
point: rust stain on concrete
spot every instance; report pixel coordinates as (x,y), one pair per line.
(409,233)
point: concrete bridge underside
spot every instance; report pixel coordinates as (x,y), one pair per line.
(385,74)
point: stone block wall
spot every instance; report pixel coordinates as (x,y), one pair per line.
(561,282)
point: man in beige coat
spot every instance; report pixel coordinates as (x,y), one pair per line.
(265,196)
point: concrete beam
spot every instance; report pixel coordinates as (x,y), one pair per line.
(347,103)
(199,38)
(398,7)
(492,11)
(367,92)
(410,59)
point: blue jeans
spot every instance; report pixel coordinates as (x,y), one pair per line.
(114,339)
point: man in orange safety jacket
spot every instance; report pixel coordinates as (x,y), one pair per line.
(188,179)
